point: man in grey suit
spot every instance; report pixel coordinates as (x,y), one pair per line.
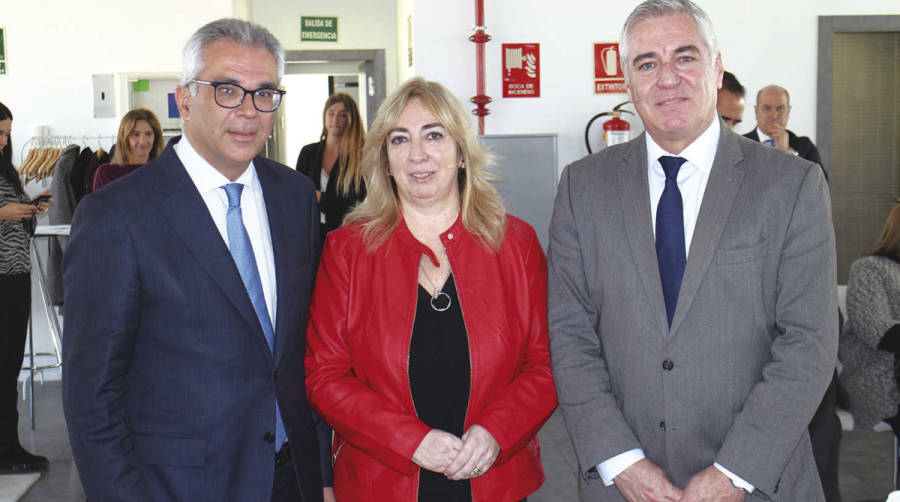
(691,291)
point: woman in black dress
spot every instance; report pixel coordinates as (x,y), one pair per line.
(334,163)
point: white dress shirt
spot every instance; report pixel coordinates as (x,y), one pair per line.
(323,182)
(210,182)
(692,178)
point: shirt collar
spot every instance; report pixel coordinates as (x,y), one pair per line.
(763,137)
(206,177)
(701,153)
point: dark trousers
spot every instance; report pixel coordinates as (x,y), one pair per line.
(15,303)
(825,435)
(285,487)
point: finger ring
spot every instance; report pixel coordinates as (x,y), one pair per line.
(476,471)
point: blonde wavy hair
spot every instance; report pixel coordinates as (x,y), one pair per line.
(123,153)
(483,214)
(350,158)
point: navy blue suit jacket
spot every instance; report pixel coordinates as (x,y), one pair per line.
(169,385)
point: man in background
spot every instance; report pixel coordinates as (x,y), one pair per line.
(773,109)
(730,100)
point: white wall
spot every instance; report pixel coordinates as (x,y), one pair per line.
(362,24)
(302,112)
(772,42)
(54,47)
(404,12)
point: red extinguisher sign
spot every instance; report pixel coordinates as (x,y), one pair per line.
(608,75)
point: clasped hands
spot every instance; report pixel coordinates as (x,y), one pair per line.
(643,481)
(457,458)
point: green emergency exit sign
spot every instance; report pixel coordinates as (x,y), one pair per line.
(2,51)
(318,29)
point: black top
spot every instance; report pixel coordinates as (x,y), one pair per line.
(333,204)
(439,376)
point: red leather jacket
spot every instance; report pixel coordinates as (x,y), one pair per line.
(361,321)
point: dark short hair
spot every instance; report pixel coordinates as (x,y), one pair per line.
(731,84)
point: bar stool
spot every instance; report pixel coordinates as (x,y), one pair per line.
(43,231)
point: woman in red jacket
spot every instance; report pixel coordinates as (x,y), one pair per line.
(427,343)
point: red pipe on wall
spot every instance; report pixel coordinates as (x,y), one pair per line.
(480,38)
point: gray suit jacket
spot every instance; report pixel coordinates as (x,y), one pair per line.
(752,346)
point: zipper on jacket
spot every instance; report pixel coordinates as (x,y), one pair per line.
(471,370)
(337,452)
(468,341)
(418,473)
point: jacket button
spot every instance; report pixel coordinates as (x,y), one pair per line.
(668,365)
(269,437)
(662,426)
(275,375)
(450,236)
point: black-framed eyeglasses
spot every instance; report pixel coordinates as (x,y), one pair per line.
(228,95)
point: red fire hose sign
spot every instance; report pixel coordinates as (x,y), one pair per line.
(521,70)
(608,76)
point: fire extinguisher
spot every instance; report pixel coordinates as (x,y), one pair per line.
(615,130)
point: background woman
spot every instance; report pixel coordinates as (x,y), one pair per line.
(870,343)
(17,215)
(139,141)
(334,163)
(427,345)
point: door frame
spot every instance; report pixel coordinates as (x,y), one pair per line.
(375,88)
(828,26)
(376,81)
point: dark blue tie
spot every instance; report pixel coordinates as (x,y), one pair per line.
(770,142)
(242,253)
(670,234)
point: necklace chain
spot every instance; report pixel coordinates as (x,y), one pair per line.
(438,294)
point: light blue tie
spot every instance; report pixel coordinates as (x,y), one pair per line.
(770,142)
(242,253)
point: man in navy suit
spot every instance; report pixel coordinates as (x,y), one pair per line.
(187,286)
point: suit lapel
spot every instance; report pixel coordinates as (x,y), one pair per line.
(634,193)
(718,198)
(279,229)
(186,212)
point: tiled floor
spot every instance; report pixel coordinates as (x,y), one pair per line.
(865,458)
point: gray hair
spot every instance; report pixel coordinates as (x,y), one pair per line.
(241,32)
(652,9)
